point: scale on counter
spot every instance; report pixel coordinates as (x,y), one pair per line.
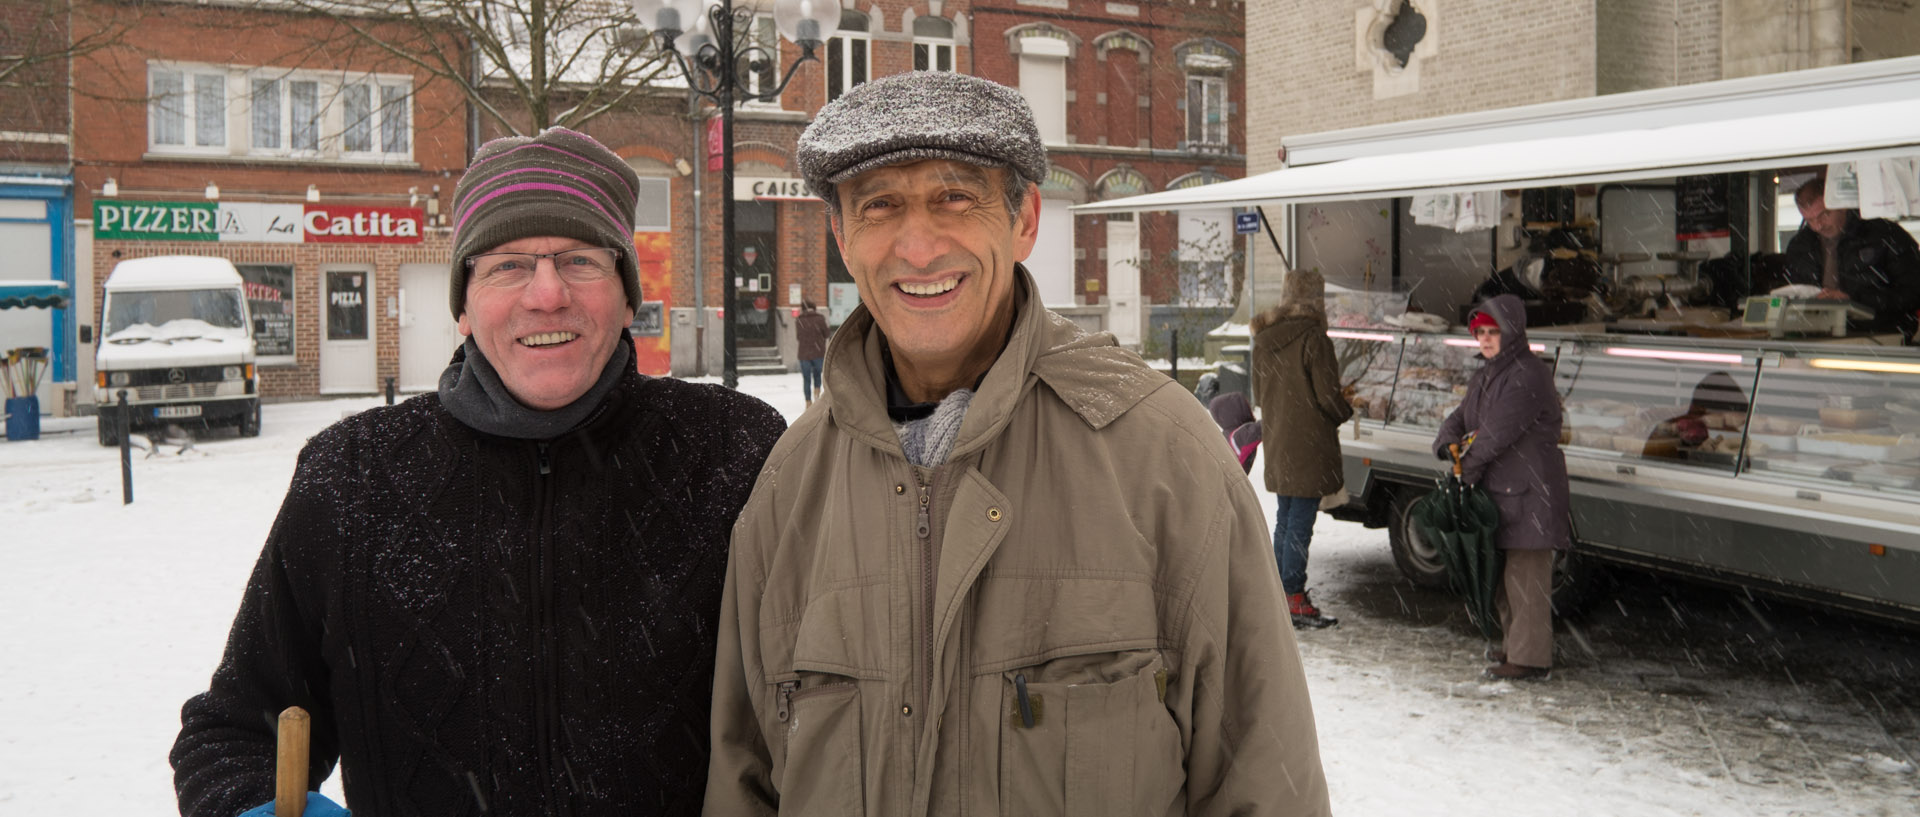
(1782,316)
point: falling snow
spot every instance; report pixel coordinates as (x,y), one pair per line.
(1666,699)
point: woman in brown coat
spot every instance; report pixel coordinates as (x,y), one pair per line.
(1297,382)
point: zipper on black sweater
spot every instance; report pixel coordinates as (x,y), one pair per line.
(546,682)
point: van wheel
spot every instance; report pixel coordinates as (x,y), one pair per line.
(250,421)
(109,424)
(1417,558)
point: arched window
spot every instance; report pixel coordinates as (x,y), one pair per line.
(1208,65)
(932,43)
(847,55)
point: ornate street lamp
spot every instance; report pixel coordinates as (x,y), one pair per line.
(700,35)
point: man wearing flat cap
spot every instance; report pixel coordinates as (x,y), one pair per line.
(500,598)
(1000,567)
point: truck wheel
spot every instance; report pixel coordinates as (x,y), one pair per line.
(109,424)
(250,421)
(1418,559)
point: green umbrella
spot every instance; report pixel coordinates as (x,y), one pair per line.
(1460,520)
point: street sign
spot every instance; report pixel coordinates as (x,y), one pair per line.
(1246,222)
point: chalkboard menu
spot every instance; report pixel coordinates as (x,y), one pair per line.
(1700,207)
(270,299)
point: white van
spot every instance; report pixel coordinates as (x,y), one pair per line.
(177,337)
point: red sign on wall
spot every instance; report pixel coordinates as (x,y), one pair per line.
(716,144)
(347,224)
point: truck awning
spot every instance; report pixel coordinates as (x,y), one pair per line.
(42,294)
(1802,137)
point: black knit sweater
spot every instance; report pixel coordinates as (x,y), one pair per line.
(481,625)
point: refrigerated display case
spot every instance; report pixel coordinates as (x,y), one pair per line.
(1790,467)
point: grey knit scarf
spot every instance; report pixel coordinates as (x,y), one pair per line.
(472,392)
(928,440)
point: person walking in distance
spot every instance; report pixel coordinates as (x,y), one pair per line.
(811,331)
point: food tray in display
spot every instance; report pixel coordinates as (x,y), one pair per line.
(1852,418)
(1802,465)
(1778,442)
(1594,420)
(1881,474)
(1708,457)
(1648,446)
(1855,445)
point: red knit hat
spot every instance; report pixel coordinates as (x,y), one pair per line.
(1481,319)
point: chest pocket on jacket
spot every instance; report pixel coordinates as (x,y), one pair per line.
(814,739)
(1087,735)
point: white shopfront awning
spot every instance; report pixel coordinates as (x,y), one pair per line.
(1852,133)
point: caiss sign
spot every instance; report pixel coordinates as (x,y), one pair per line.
(254,222)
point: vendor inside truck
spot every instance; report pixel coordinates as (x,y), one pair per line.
(1870,261)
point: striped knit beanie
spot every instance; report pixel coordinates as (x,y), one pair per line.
(561,183)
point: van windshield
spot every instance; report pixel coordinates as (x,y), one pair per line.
(169,313)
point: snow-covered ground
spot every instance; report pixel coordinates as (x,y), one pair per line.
(111,615)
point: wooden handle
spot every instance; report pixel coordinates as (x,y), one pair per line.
(290,779)
(1454,449)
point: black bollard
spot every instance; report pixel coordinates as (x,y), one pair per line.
(389,391)
(1174,355)
(125,423)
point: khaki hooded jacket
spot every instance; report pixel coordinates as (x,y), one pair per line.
(1078,614)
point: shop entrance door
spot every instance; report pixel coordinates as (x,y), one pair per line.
(346,340)
(428,332)
(755,266)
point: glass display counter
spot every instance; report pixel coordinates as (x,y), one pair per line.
(1836,416)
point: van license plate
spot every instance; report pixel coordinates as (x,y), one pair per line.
(176,411)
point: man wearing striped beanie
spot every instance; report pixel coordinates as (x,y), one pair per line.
(501,597)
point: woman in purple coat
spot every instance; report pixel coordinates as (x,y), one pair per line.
(1509,425)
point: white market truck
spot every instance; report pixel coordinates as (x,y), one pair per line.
(177,341)
(1709,431)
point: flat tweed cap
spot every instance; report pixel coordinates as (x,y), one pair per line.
(560,183)
(915,116)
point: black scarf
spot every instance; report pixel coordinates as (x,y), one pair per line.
(472,392)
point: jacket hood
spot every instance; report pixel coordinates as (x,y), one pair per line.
(1280,330)
(1511,313)
(1231,410)
(1091,373)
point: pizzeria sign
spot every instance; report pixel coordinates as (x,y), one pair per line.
(247,221)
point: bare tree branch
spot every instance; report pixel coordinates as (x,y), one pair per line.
(533,53)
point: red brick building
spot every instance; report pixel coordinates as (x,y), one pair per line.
(1131,98)
(327,171)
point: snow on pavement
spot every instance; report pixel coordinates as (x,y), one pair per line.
(112,615)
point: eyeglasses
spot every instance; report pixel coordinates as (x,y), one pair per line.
(583,265)
(1487,331)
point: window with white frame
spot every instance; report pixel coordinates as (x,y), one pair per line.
(847,55)
(932,43)
(1043,81)
(187,109)
(654,213)
(192,109)
(374,119)
(1206,248)
(284,115)
(763,35)
(1207,99)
